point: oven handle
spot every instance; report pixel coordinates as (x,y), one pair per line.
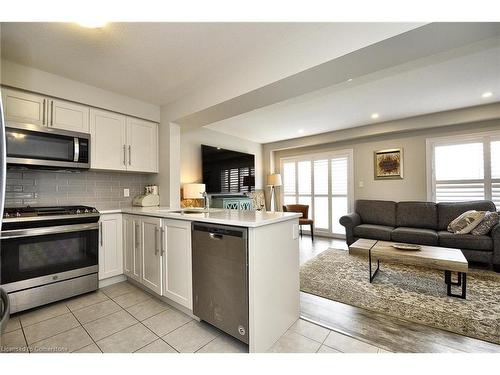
(31,232)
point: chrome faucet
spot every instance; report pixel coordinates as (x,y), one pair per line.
(206,199)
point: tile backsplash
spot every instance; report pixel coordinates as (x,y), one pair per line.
(103,190)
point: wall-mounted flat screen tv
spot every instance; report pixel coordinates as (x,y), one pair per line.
(226,171)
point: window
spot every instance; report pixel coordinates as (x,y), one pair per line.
(464,168)
(324,183)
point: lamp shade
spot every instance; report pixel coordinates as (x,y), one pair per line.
(274,179)
(193,191)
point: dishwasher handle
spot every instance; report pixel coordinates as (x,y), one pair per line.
(215,236)
(217,232)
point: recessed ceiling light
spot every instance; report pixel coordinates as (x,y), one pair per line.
(487,94)
(349,80)
(375,116)
(300,131)
(92,24)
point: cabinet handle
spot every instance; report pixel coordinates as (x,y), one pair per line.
(136,236)
(51,113)
(156,241)
(43,114)
(124,155)
(129,155)
(162,238)
(100,233)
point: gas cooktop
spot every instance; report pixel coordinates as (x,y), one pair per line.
(31,212)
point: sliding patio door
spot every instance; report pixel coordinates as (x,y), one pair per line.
(324,182)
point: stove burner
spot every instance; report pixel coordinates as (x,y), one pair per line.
(20,212)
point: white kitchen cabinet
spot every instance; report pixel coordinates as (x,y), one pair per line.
(108,140)
(142,145)
(123,143)
(69,116)
(177,267)
(151,253)
(23,107)
(132,247)
(110,246)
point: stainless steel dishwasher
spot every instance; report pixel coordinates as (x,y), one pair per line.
(220,277)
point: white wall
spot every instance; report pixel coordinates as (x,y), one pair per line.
(191,142)
(42,82)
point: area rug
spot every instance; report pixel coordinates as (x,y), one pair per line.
(407,292)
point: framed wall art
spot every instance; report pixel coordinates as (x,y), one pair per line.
(388,164)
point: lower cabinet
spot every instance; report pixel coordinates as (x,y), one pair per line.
(151,246)
(157,253)
(110,246)
(132,247)
(177,275)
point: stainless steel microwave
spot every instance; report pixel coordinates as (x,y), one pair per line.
(46,148)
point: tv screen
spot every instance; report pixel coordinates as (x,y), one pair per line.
(226,171)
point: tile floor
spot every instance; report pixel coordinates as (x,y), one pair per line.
(122,318)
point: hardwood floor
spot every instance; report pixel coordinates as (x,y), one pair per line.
(310,249)
(392,334)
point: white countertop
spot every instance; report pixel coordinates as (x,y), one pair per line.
(241,218)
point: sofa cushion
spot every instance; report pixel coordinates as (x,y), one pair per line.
(465,241)
(419,236)
(450,211)
(417,215)
(490,220)
(377,212)
(374,232)
(466,222)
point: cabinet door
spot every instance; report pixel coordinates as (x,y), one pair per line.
(177,275)
(131,247)
(22,107)
(142,148)
(69,116)
(110,246)
(151,253)
(107,140)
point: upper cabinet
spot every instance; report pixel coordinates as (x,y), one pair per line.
(123,143)
(108,139)
(118,142)
(37,109)
(142,138)
(20,106)
(69,116)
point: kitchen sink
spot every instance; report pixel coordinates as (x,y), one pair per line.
(189,212)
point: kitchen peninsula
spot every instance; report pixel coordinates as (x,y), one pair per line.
(157,254)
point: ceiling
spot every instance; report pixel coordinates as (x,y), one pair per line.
(155,62)
(445,81)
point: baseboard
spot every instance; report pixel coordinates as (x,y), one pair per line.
(168,301)
(112,280)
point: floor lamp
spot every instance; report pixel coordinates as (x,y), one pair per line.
(273,180)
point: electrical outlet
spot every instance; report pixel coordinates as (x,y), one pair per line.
(126,192)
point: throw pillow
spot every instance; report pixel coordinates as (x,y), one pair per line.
(466,222)
(490,220)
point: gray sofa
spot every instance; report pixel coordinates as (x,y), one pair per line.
(423,223)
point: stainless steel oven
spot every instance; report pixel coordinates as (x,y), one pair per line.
(48,254)
(40,146)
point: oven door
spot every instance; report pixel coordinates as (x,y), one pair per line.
(38,256)
(33,145)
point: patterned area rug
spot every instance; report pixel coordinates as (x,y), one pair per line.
(412,293)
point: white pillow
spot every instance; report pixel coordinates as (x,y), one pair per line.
(466,222)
